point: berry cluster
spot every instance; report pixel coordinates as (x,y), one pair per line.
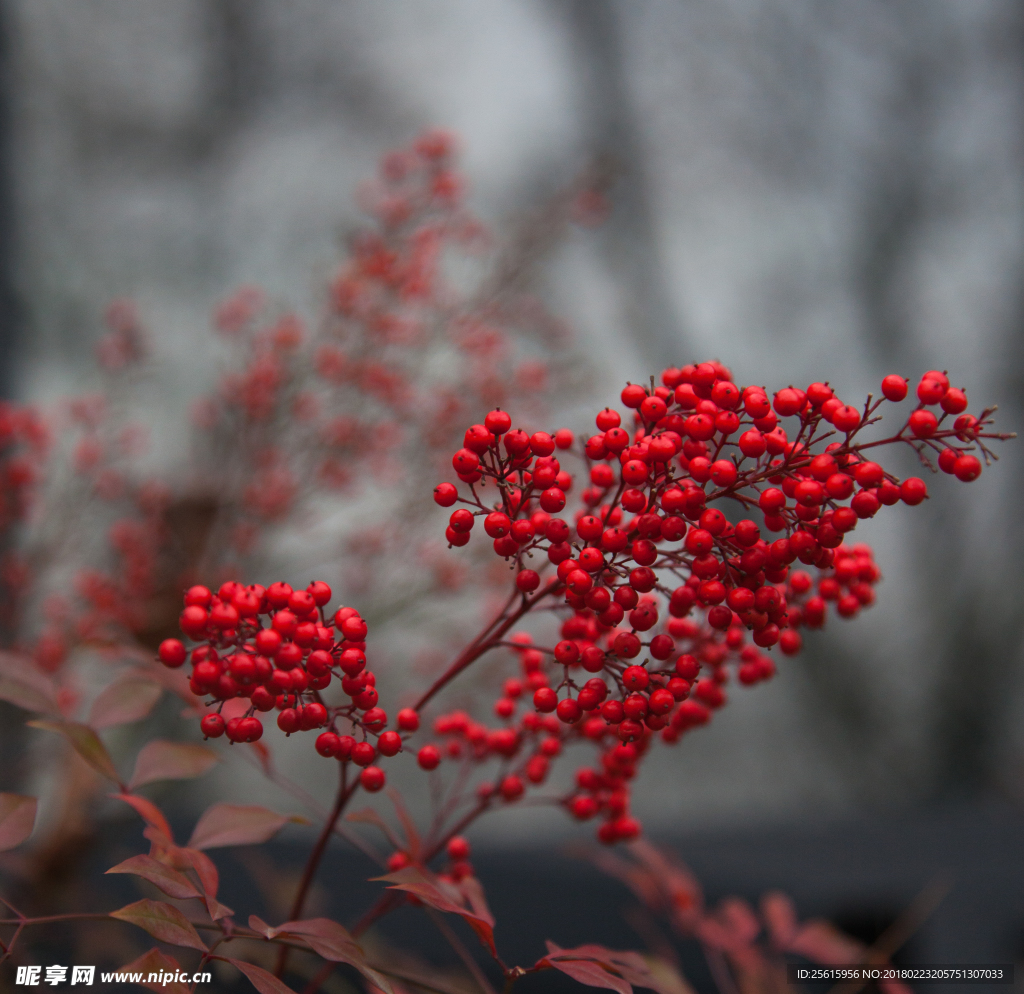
(285,664)
(665,595)
(663,589)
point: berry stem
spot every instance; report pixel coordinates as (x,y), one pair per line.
(345,791)
(482,643)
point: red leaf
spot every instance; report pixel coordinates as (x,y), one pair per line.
(586,971)
(821,942)
(612,969)
(27,696)
(205,868)
(413,846)
(370,817)
(86,743)
(780,918)
(17,819)
(150,813)
(424,885)
(328,939)
(124,701)
(176,681)
(162,922)
(153,962)
(210,880)
(263,755)
(472,890)
(235,825)
(264,981)
(170,881)
(160,760)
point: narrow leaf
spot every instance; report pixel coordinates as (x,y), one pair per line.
(612,969)
(420,882)
(170,881)
(124,701)
(210,880)
(264,981)
(370,817)
(821,942)
(27,697)
(263,755)
(149,813)
(235,825)
(87,744)
(327,939)
(161,921)
(205,869)
(161,760)
(17,819)
(473,891)
(590,973)
(154,962)
(414,845)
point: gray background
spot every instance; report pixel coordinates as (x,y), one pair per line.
(807,190)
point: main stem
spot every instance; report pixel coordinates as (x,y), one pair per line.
(482,643)
(344,793)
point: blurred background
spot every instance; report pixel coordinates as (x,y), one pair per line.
(801,190)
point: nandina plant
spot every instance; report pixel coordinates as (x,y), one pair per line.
(663,595)
(676,575)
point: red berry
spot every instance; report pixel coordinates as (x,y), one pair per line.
(445,494)
(278,594)
(327,744)
(389,743)
(569,710)
(923,424)
(363,753)
(372,779)
(967,468)
(931,391)
(846,419)
(466,461)
(542,444)
(633,395)
(428,757)
(913,491)
(771,500)
(497,422)
(545,700)
(635,678)
(212,726)
(408,720)
(301,602)
(172,653)
(653,409)
(583,807)
(398,861)
(511,787)
(527,581)
(954,401)
(198,597)
(752,443)
(894,387)
(788,402)
(497,524)
(458,848)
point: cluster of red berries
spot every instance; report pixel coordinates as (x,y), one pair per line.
(646,543)
(457,850)
(285,664)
